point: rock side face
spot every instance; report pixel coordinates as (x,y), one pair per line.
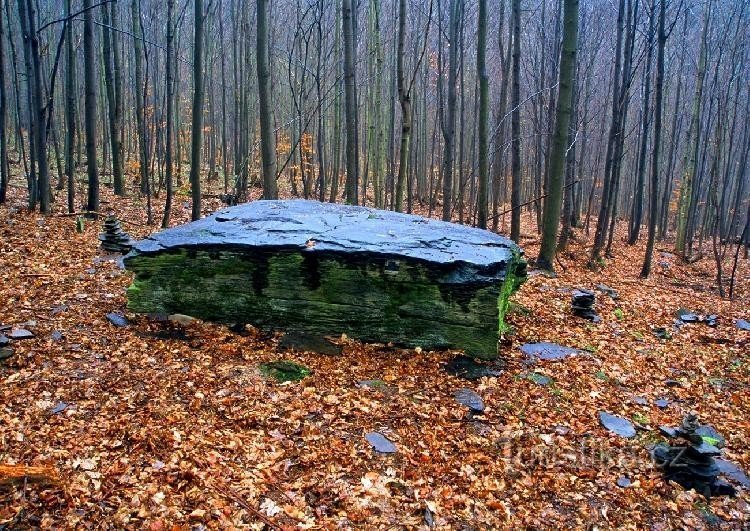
(327,269)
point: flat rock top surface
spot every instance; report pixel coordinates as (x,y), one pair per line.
(311,226)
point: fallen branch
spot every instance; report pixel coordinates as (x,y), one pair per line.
(14,474)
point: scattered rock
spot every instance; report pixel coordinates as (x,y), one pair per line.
(711,320)
(733,472)
(470,369)
(624,482)
(661,403)
(668,431)
(547,351)
(467,397)
(284,371)
(618,425)
(743,324)
(309,343)
(539,379)
(4,340)
(639,400)
(5,353)
(380,443)
(59,408)
(118,320)
(582,304)
(686,316)
(672,383)
(20,333)
(611,292)
(56,335)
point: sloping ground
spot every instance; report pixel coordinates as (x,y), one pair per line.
(153,426)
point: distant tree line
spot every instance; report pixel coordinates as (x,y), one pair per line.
(576,113)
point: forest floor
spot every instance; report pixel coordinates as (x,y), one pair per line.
(159,426)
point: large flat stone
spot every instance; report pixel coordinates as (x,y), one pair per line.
(325,269)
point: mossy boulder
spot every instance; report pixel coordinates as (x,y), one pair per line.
(324,269)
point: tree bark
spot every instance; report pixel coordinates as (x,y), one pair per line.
(265,110)
(197,128)
(553,201)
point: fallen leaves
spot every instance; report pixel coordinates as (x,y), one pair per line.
(170,423)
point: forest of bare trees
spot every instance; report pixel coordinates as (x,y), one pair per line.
(573,114)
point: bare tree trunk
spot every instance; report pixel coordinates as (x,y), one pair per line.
(265,110)
(449,124)
(70,109)
(89,70)
(553,202)
(197,128)
(515,102)
(350,106)
(483,115)
(169,113)
(4,173)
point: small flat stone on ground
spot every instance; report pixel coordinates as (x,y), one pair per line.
(743,324)
(4,340)
(5,353)
(118,320)
(467,397)
(20,333)
(733,472)
(624,482)
(380,443)
(546,351)
(469,369)
(618,425)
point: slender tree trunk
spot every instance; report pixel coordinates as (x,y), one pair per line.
(404,98)
(515,103)
(70,108)
(637,214)
(484,97)
(197,128)
(449,124)
(4,173)
(265,109)
(89,69)
(169,113)
(658,111)
(553,201)
(350,105)
(691,155)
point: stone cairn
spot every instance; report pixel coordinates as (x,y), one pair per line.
(114,239)
(583,304)
(691,461)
